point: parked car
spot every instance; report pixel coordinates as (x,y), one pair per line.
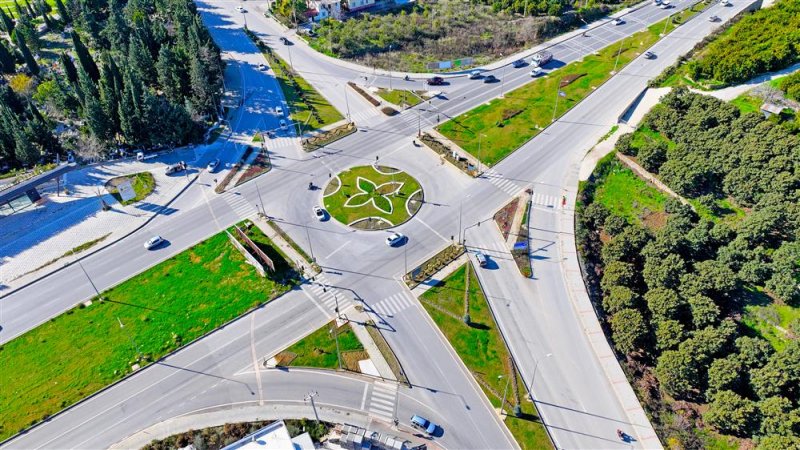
(423,424)
(435,81)
(536,71)
(175,168)
(490,79)
(394,239)
(279,110)
(284,125)
(319,213)
(475,74)
(212,166)
(618,21)
(518,63)
(482,259)
(649,55)
(153,242)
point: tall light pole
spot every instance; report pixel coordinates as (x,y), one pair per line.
(558,94)
(669,20)
(533,378)
(505,391)
(503,80)
(310,397)
(310,248)
(618,53)
(347,103)
(335,332)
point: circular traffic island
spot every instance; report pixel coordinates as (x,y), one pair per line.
(373,197)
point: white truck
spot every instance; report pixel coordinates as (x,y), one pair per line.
(541,58)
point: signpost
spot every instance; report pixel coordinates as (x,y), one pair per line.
(521,245)
(126,191)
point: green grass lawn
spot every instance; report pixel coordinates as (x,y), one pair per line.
(367,193)
(481,348)
(143,185)
(763,320)
(747,103)
(400,97)
(625,194)
(301,107)
(492,131)
(87,348)
(318,349)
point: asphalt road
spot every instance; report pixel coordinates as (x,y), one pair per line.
(358,263)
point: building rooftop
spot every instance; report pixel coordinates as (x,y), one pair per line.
(274,436)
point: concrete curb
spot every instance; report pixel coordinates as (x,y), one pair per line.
(109,244)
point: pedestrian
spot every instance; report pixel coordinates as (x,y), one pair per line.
(215,181)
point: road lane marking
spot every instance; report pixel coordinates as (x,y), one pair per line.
(326,313)
(364,397)
(335,251)
(430,228)
(255,358)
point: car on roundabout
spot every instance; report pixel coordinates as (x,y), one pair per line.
(394,239)
(212,165)
(153,242)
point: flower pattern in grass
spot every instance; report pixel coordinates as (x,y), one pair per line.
(377,194)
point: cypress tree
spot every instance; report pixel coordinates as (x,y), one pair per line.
(62,12)
(93,112)
(69,68)
(24,150)
(31,13)
(85,58)
(8,64)
(19,11)
(8,24)
(139,59)
(168,78)
(47,21)
(26,54)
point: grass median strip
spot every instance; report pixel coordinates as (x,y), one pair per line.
(89,347)
(318,349)
(401,97)
(481,347)
(494,130)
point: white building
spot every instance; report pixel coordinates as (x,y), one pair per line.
(274,436)
(355,5)
(324,9)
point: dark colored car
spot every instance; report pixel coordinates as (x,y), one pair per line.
(518,63)
(285,41)
(435,81)
(490,79)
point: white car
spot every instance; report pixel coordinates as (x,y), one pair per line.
(284,126)
(536,72)
(665,6)
(618,21)
(240,9)
(475,74)
(212,166)
(279,110)
(319,213)
(394,239)
(263,67)
(153,242)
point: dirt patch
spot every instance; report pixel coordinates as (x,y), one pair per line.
(284,358)
(510,113)
(569,79)
(350,359)
(370,224)
(655,220)
(505,216)
(332,186)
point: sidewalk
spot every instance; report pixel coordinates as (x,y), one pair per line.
(357,323)
(35,240)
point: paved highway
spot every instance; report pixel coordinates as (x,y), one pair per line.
(361,266)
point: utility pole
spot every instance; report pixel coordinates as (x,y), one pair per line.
(618,53)
(533,378)
(90,280)
(335,331)
(505,391)
(347,103)
(664,32)
(558,94)
(263,211)
(310,397)
(308,236)
(419,123)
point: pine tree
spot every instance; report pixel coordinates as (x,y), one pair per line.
(140,60)
(18,9)
(62,12)
(30,10)
(116,31)
(109,96)
(168,78)
(8,64)
(85,57)
(26,54)
(69,68)
(24,150)
(93,112)
(47,21)
(8,24)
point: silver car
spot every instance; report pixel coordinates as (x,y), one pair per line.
(153,242)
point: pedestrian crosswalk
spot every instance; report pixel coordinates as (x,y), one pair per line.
(383,399)
(239,204)
(393,304)
(501,182)
(328,295)
(545,200)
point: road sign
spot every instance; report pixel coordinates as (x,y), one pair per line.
(521,245)
(126,191)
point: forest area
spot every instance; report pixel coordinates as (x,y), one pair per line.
(105,74)
(677,282)
(428,31)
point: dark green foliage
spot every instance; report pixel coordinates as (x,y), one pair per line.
(779,417)
(30,62)
(85,58)
(764,41)
(731,413)
(7,22)
(629,330)
(619,298)
(62,12)
(790,85)
(614,224)
(724,375)
(669,334)
(8,63)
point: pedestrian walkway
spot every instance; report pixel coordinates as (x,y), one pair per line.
(500,182)
(382,401)
(239,204)
(328,295)
(393,304)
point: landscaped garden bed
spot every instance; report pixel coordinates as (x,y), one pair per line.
(143,184)
(318,349)
(323,138)
(505,216)
(373,198)
(433,265)
(259,166)
(522,256)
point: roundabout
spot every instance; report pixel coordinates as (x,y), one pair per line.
(373,197)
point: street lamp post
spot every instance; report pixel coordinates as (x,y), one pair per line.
(310,247)
(533,378)
(618,53)
(503,80)
(263,211)
(347,103)
(669,20)
(558,94)
(505,391)
(310,397)
(335,332)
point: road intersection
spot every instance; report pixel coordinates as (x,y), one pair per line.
(538,317)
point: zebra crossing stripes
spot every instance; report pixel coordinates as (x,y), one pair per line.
(239,204)
(328,295)
(393,304)
(502,183)
(383,399)
(549,201)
